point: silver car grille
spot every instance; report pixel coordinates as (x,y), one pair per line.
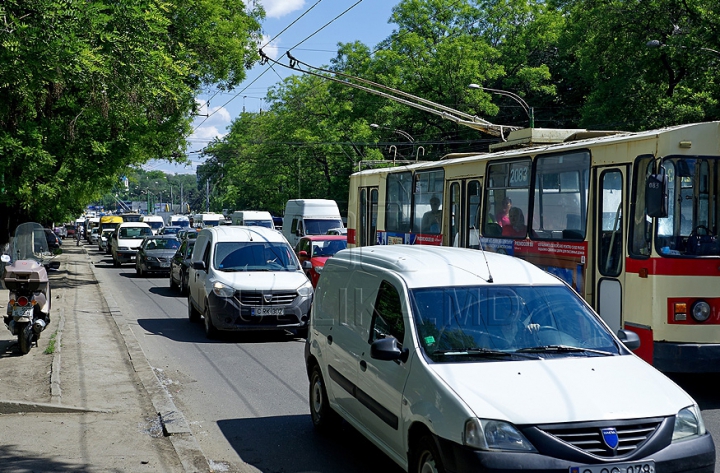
(267,298)
(590,438)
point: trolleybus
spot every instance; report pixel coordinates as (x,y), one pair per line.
(629,220)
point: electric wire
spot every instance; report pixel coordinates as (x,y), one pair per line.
(288,26)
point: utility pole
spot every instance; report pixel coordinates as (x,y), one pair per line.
(207,195)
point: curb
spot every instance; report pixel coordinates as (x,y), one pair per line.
(174,424)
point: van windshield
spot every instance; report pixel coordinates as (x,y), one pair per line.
(135,232)
(255,256)
(320,227)
(259,223)
(550,321)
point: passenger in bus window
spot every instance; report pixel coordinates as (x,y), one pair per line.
(517,227)
(432,218)
(502,217)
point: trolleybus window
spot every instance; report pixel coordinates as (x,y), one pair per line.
(508,187)
(640,232)
(561,196)
(427,201)
(691,227)
(611,223)
(397,202)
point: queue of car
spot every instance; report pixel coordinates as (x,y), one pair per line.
(446,359)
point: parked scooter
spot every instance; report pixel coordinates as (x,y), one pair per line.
(25,276)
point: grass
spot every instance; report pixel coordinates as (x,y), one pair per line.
(51,344)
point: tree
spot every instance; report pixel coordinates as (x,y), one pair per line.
(94,88)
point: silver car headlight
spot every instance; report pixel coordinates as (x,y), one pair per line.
(688,424)
(318,269)
(221,290)
(487,434)
(305,290)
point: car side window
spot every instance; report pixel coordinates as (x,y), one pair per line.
(387,318)
(206,256)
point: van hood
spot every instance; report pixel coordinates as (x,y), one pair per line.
(569,389)
(130,242)
(263,280)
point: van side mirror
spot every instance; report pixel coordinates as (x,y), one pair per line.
(387,349)
(656,195)
(629,338)
(200,265)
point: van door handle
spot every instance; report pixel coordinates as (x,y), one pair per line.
(363,365)
(329,339)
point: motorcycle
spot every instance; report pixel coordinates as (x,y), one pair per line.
(25,276)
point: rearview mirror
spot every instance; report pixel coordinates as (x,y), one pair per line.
(629,338)
(656,195)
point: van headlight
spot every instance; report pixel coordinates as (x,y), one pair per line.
(305,290)
(688,424)
(488,434)
(221,290)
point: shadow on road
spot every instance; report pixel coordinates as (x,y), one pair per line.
(182,330)
(290,444)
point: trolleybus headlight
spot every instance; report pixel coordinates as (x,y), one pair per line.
(700,311)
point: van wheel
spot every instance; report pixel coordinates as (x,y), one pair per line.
(428,459)
(116,263)
(322,415)
(210,330)
(193,313)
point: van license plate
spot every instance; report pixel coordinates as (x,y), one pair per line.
(267,311)
(633,467)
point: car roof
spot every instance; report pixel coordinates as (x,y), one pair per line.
(435,266)
(133,224)
(161,237)
(324,237)
(241,233)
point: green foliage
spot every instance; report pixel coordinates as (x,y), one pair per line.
(92,88)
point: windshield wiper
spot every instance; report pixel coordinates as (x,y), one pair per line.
(563,349)
(477,351)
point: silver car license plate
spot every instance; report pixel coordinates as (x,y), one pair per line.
(259,311)
(630,467)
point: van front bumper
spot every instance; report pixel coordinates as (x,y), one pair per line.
(696,456)
(231,315)
(126,256)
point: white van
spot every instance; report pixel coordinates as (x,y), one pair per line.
(126,239)
(180,221)
(207,220)
(309,217)
(156,222)
(247,278)
(251,218)
(450,359)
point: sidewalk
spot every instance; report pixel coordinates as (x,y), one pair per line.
(86,399)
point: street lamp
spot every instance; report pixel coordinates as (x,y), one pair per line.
(654,43)
(404,134)
(526,108)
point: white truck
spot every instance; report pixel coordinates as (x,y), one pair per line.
(309,217)
(156,222)
(252,218)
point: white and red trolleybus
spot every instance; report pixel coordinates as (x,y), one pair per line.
(630,220)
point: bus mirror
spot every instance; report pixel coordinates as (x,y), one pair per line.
(656,195)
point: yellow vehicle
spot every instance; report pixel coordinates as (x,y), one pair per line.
(629,220)
(107,226)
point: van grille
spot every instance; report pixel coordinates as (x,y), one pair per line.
(259,298)
(589,438)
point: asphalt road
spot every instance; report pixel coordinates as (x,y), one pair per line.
(245,396)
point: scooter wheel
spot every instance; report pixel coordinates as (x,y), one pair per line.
(25,338)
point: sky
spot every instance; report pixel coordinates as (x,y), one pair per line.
(363,20)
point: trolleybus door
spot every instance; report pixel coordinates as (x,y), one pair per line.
(463,219)
(609,243)
(367,221)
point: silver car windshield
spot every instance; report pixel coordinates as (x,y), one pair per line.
(470,322)
(255,256)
